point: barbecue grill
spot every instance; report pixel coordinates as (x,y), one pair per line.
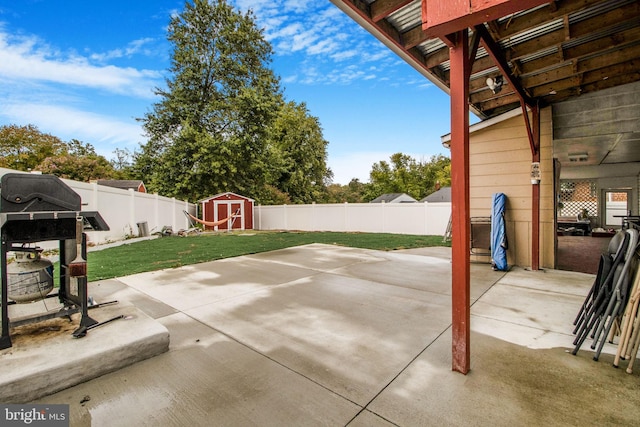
(37,208)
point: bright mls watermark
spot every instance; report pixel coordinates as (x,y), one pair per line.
(34,415)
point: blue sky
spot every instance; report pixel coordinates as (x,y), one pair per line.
(86,70)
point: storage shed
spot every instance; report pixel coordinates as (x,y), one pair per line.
(223,205)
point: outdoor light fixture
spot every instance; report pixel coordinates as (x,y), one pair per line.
(578,157)
(535,173)
(495,84)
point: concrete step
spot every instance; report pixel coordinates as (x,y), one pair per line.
(45,358)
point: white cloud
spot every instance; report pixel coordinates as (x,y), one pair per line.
(69,123)
(50,89)
(347,166)
(28,58)
(345,54)
(320,33)
(132,48)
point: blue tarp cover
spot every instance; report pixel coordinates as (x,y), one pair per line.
(498,233)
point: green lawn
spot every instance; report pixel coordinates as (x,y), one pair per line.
(169,252)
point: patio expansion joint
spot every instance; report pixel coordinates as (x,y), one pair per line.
(366,406)
(541,290)
(395,377)
(319,269)
(266,356)
(568,334)
(488,289)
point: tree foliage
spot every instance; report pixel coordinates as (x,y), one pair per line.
(299,153)
(350,193)
(79,168)
(208,132)
(404,174)
(25,148)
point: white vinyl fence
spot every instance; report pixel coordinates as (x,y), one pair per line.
(123,210)
(398,218)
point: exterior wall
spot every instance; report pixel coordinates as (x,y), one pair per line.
(401,218)
(500,162)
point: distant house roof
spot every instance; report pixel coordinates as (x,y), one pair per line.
(442,195)
(124,184)
(394,198)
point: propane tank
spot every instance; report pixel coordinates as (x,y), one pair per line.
(30,278)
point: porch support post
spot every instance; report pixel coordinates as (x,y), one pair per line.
(533,131)
(535,196)
(460,224)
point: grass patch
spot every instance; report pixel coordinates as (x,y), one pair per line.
(171,252)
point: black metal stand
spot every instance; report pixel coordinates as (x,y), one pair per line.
(45,226)
(37,208)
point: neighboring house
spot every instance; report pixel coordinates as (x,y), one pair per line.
(394,198)
(442,195)
(124,184)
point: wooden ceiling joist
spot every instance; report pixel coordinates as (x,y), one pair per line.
(542,16)
(383,8)
(552,45)
(493,49)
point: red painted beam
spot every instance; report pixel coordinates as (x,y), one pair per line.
(460,223)
(533,132)
(446,17)
(535,193)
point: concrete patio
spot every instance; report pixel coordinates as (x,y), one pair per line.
(326,335)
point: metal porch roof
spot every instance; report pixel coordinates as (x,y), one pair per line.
(556,51)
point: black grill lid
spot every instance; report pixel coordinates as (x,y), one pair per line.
(23,192)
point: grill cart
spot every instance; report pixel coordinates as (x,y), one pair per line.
(37,208)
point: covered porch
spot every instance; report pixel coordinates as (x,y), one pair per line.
(520,62)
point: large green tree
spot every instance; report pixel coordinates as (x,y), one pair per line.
(25,147)
(350,193)
(299,153)
(78,168)
(208,132)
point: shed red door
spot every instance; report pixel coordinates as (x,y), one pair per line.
(226,209)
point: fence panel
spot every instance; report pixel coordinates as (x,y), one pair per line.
(122,210)
(399,218)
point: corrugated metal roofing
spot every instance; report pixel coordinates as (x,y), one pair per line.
(535,42)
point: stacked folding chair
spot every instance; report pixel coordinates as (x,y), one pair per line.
(602,314)
(630,327)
